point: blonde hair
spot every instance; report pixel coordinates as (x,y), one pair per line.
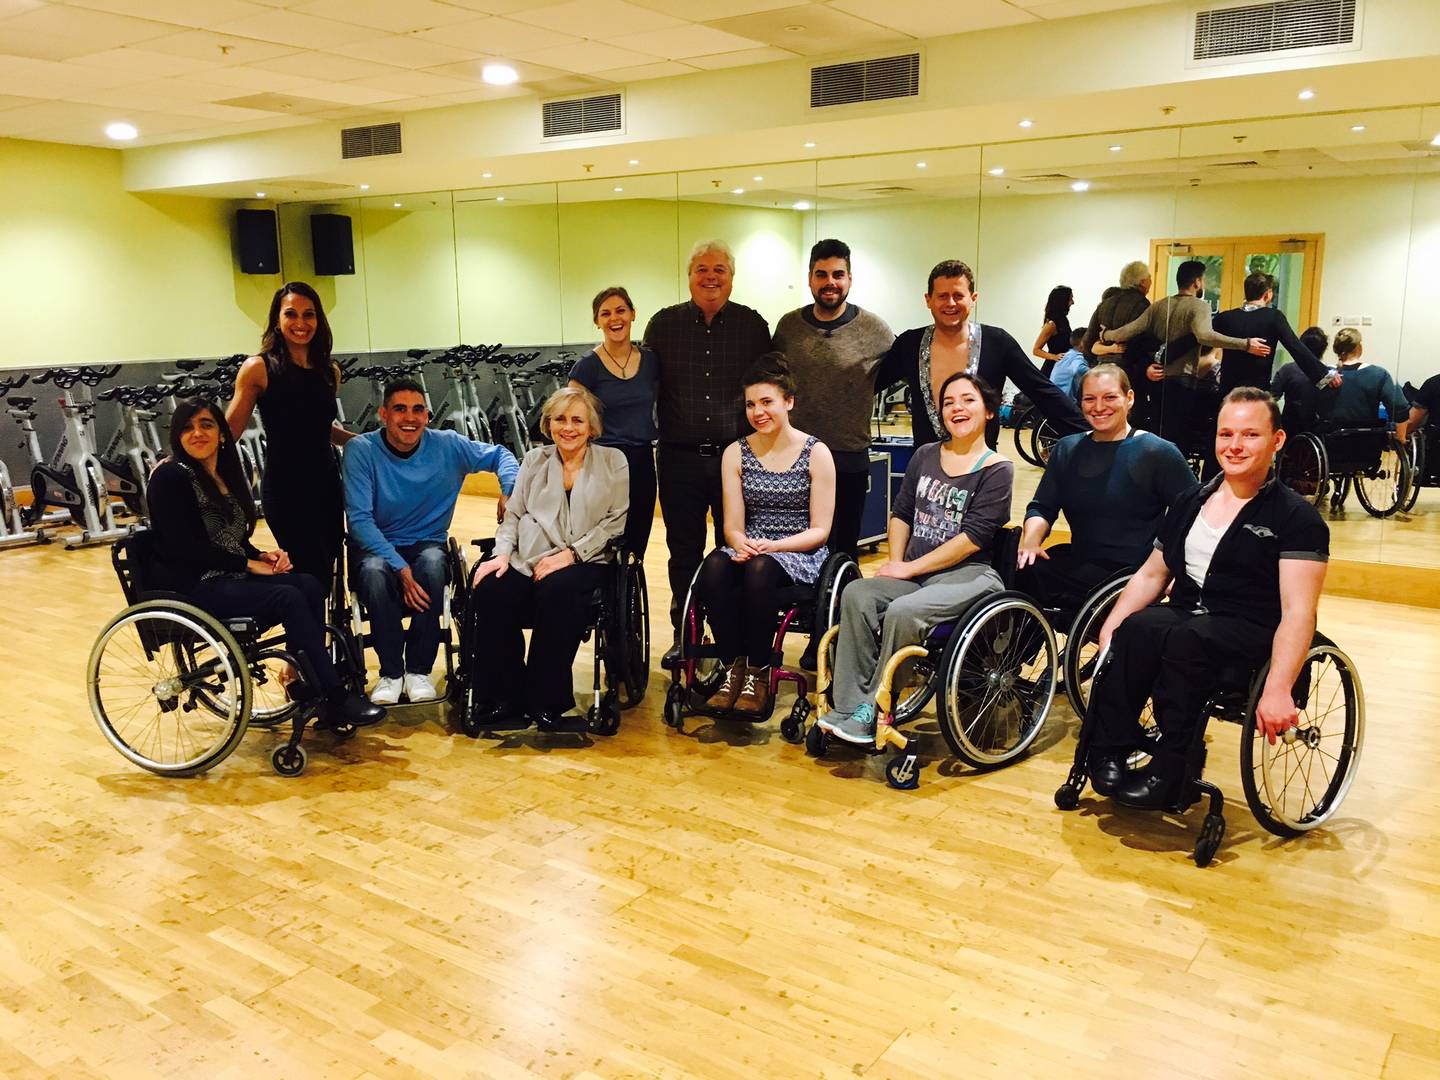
(1346,342)
(703,246)
(562,398)
(1115,371)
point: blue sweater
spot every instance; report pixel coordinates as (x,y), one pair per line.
(392,501)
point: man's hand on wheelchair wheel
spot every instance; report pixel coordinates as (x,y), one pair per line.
(1275,713)
(415,597)
(497,566)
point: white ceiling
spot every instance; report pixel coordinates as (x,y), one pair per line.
(190,69)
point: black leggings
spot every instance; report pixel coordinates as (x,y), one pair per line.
(742,601)
(1066,579)
(640,518)
(294,600)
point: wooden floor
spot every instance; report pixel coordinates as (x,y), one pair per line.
(711,904)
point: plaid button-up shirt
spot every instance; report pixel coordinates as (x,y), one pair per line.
(700,399)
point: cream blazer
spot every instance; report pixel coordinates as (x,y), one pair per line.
(540,520)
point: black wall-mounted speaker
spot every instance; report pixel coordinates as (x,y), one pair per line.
(334,244)
(257,241)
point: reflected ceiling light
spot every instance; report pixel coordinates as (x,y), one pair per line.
(121,131)
(809,146)
(758,179)
(1435,141)
(737,191)
(1115,148)
(921,165)
(259,194)
(499,74)
(1080,185)
(1357,128)
(499,198)
(1027,123)
(486,175)
(802,205)
(1305,95)
(618,189)
(397,206)
(999,170)
(364,187)
(634,161)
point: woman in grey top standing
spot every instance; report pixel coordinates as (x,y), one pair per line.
(955,496)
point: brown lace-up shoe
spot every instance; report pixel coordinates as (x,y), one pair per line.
(754,696)
(723,699)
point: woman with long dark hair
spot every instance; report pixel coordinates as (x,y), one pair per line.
(293,380)
(202,516)
(1054,337)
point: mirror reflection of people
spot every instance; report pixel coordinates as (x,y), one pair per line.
(1119,305)
(1296,389)
(954,498)
(704,346)
(1425,405)
(1113,485)
(1258,317)
(401,484)
(624,377)
(569,502)
(924,358)
(1070,369)
(1363,390)
(1054,339)
(779,501)
(1243,558)
(203,517)
(834,349)
(293,381)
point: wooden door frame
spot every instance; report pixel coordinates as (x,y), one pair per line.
(1233,296)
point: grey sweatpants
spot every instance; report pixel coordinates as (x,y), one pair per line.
(899,613)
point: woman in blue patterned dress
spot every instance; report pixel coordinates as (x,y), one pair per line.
(779,486)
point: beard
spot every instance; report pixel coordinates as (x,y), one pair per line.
(830,301)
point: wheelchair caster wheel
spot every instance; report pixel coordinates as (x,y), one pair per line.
(343,731)
(817,741)
(674,714)
(469,728)
(903,772)
(603,719)
(288,760)
(1067,797)
(792,728)
(1211,833)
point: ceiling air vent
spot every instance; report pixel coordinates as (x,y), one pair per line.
(1282,26)
(372,141)
(601,114)
(865,80)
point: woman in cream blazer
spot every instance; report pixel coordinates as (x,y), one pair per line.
(569,502)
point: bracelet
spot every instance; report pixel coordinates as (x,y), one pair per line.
(574,554)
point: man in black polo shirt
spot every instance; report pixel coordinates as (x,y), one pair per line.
(704,347)
(1247,557)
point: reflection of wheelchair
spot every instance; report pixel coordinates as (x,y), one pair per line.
(1326,463)
(1291,786)
(618,622)
(992,670)
(1424,463)
(804,609)
(174,688)
(1035,436)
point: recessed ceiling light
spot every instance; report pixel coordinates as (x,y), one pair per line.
(802,205)
(499,198)
(758,179)
(809,146)
(618,189)
(1027,123)
(397,206)
(499,74)
(364,187)
(1435,141)
(1115,148)
(1080,185)
(1357,128)
(121,131)
(737,191)
(998,170)
(259,194)
(921,165)
(634,161)
(486,175)
(1305,95)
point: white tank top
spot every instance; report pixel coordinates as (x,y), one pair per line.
(1200,544)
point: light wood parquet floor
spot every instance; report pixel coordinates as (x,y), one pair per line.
(713,904)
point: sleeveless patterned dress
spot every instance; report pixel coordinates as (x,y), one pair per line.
(777,505)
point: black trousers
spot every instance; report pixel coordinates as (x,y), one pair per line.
(305,510)
(742,600)
(640,518)
(500,607)
(1171,655)
(689,486)
(1066,579)
(295,601)
(850,491)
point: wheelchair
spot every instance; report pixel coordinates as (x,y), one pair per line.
(618,622)
(1292,786)
(1424,463)
(804,609)
(174,688)
(1328,462)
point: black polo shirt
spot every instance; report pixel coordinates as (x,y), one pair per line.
(1244,575)
(701,399)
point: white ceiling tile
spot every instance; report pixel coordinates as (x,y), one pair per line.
(822,30)
(1065,9)
(924,18)
(714,9)
(258,79)
(405,51)
(38,46)
(501,7)
(415,83)
(15,7)
(598,18)
(196,14)
(686,41)
(47,114)
(764,55)
(398,18)
(95,29)
(324,65)
(299,31)
(221,48)
(13,101)
(471,71)
(47,79)
(497,37)
(587,57)
(349,94)
(189,89)
(144,62)
(639,73)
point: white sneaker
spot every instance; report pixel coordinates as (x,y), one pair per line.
(419,688)
(387,691)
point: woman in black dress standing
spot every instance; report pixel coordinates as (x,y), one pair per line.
(1054,339)
(293,380)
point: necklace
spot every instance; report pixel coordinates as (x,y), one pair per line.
(623,367)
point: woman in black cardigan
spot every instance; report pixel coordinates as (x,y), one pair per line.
(958,343)
(202,516)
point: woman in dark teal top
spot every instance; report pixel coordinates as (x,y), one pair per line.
(625,378)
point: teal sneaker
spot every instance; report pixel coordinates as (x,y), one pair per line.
(858,727)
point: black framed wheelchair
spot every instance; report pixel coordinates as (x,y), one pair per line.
(1035,436)
(803,609)
(618,621)
(174,689)
(1326,464)
(1292,786)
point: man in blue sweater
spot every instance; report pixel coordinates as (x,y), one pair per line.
(401,483)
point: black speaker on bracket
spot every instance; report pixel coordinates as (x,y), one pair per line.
(257,241)
(334,244)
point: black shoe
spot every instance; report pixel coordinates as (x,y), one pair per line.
(811,656)
(1148,789)
(347,708)
(1107,773)
(556,723)
(672,655)
(498,716)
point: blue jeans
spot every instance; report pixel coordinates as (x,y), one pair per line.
(378,586)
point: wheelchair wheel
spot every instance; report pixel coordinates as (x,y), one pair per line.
(1296,784)
(912,687)
(632,608)
(1383,488)
(270,705)
(999,674)
(1304,467)
(169,687)
(1043,437)
(1417,470)
(1025,424)
(1082,643)
(835,576)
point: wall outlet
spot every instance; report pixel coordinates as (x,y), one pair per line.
(1367,320)
(1352,320)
